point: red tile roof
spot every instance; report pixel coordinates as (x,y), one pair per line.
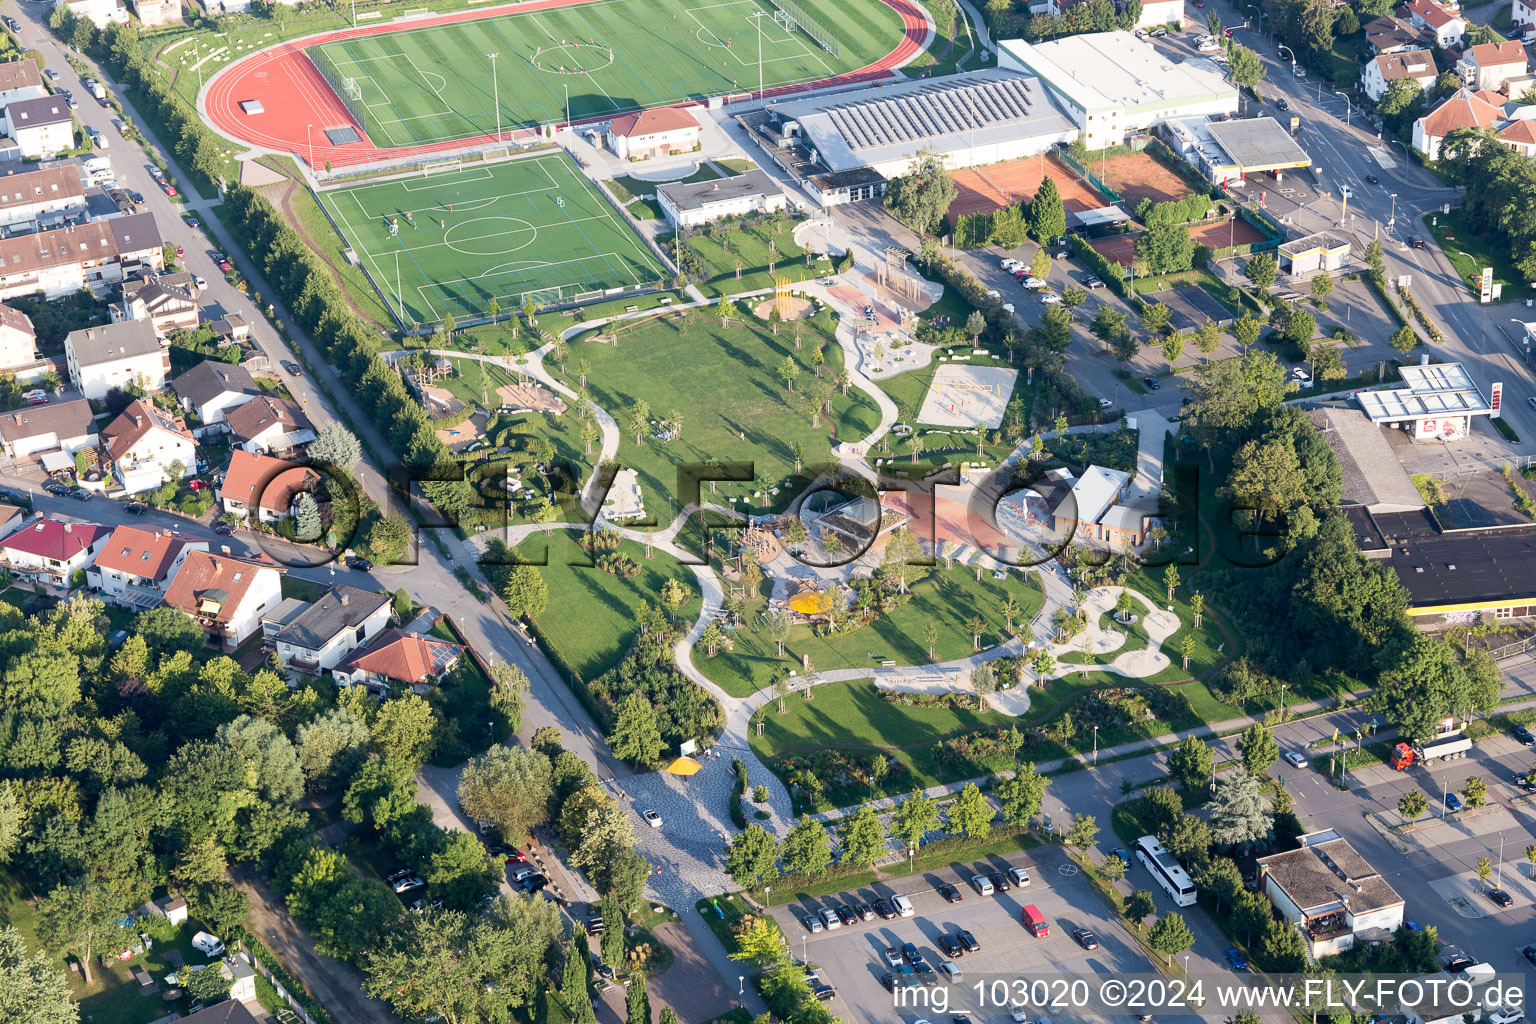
(649,122)
(1431,14)
(204,573)
(273,482)
(404,657)
(1406,64)
(1463,110)
(16,320)
(146,553)
(49,538)
(137,420)
(1522,132)
(1490,54)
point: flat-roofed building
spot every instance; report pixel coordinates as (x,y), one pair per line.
(1435,403)
(689,204)
(1323,252)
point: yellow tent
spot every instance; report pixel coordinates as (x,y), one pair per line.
(811,602)
(683,766)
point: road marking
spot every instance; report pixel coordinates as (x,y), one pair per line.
(1382,156)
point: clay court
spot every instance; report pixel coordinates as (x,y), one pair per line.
(1135,175)
(984,189)
(1222,235)
(531,397)
(1117,248)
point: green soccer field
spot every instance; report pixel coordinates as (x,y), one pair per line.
(489,231)
(610,56)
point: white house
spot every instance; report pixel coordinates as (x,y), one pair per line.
(168,301)
(115,356)
(689,205)
(212,388)
(49,551)
(1445,23)
(154,13)
(94,255)
(100,13)
(324,633)
(41,127)
(1330,893)
(1463,109)
(1523,14)
(1487,66)
(136,566)
(226,596)
(143,442)
(21,80)
(33,200)
(56,427)
(18,341)
(1386,68)
(270,426)
(262,486)
(1155,13)
(659,131)
(398,658)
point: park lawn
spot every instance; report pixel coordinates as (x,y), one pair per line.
(750,242)
(590,616)
(945,597)
(723,383)
(1469,253)
(950,43)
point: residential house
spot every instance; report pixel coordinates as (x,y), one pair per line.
(1463,109)
(270,426)
(226,596)
(35,200)
(57,427)
(100,13)
(169,907)
(398,658)
(18,341)
(49,551)
(1381,71)
(212,388)
(143,442)
(116,356)
(1523,14)
(1444,24)
(331,628)
(1388,34)
(167,301)
(264,487)
(155,13)
(21,80)
(1487,66)
(1520,136)
(95,255)
(1092,510)
(41,128)
(1330,893)
(659,131)
(689,205)
(230,1011)
(136,566)
(11,518)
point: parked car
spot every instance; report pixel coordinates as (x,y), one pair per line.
(50,74)
(864,911)
(893,956)
(845,914)
(885,909)
(1086,938)
(1506,1015)
(950,946)
(949,892)
(293,368)
(1458,962)
(1018,876)
(1500,898)
(812,924)
(407,883)
(912,954)
(1294,759)
(1529,952)
(534,882)
(223,529)
(208,945)
(968,941)
(165,186)
(12,24)
(983,885)
(1523,734)
(1151,383)
(1236,959)
(80,494)
(1002,884)
(824,992)
(135,508)
(57,490)
(1452,802)
(830,919)
(951,973)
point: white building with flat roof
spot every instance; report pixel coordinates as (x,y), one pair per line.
(1436,402)
(1113,84)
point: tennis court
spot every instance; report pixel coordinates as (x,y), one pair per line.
(602,58)
(452,240)
(985,189)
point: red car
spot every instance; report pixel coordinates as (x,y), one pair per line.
(198,485)
(179,252)
(169,189)
(226,266)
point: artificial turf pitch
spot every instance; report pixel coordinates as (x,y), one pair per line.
(434,84)
(504,230)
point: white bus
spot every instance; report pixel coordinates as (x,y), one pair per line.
(1174,880)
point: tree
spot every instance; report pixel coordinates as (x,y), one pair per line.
(81,919)
(1259,748)
(760,943)
(1047,214)
(915,817)
(1413,803)
(1021,796)
(975,324)
(1171,579)
(306,519)
(1173,347)
(1484,868)
(1404,339)
(510,786)
(1192,763)
(1261,271)
(1475,792)
(525,592)
(971,813)
(637,1004)
(752,857)
(460,968)
(1246,67)
(1245,331)
(1322,286)
(1139,906)
(807,848)
(1171,936)
(1530,851)
(32,990)
(1223,879)
(1207,338)
(1300,329)
(984,681)
(921,198)
(788,371)
(1238,814)
(403,730)
(1082,833)
(1166,248)
(861,837)
(977,627)
(573,983)
(12,822)
(335,445)
(271,764)
(636,736)
(1156,318)
(1113,868)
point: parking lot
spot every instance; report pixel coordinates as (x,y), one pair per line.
(852,958)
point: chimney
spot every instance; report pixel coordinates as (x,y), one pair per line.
(69,527)
(344,599)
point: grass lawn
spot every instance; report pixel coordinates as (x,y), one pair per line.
(590,617)
(950,43)
(311,222)
(1469,253)
(946,598)
(723,384)
(718,253)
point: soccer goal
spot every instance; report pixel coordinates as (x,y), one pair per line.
(818,32)
(348,89)
(437,166)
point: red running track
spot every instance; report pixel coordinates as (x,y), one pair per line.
(298,103)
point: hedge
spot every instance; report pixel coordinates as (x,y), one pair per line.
(1112,274)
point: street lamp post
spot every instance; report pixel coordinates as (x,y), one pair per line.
(1392,217)
(1282,702)
(1347,105)
(1288,50)
(1444,791)
(496,93)
(1095,744)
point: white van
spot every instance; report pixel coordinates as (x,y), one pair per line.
(1478,974)
(982,884)
(903,906)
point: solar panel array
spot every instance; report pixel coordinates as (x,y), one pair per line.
(941,110)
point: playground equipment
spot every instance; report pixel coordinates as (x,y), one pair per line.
(893,276)
(783,297)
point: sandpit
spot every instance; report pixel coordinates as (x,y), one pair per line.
(532,397)
(459,437)
(799,308)
(440,402)
(968,396)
